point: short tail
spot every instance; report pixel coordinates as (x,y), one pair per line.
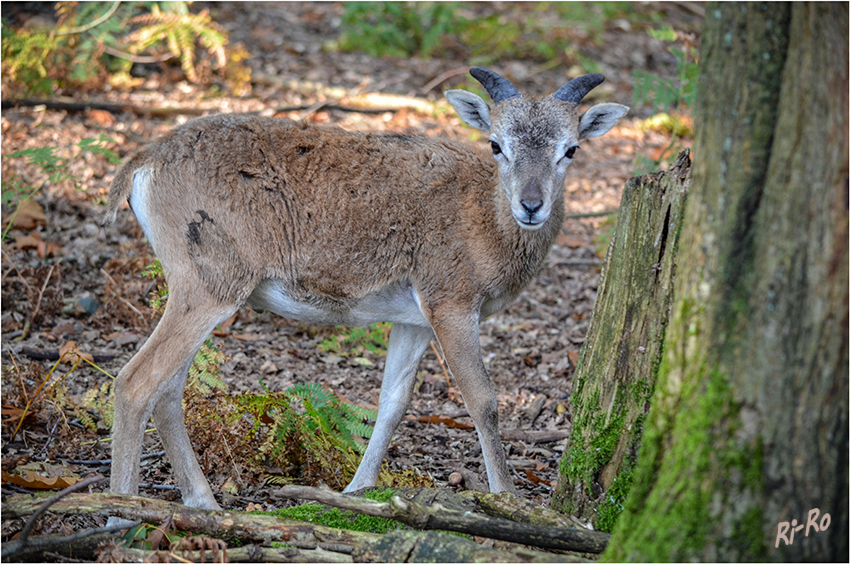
(122,187)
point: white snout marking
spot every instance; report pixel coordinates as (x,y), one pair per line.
(523,220)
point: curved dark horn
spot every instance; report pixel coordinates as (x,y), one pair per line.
(498,87)
(577,88)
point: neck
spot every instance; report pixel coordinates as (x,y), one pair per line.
(525,249)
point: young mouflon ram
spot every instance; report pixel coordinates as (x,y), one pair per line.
(333,227)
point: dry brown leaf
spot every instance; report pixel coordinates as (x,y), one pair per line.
(536,480)
(29,241)
(228,322)
(36,481)
(49,249)
(33,240)
(30,216)
(101,117)
(70,354)
(447,421)
(247,336)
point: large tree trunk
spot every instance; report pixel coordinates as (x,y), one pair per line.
(747,430)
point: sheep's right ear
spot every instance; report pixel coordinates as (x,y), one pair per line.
(471,108)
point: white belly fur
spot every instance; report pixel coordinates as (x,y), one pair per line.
(396,304)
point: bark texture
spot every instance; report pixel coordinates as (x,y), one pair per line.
(616,373)
(748,426)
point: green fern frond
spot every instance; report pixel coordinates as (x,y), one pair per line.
(203,372)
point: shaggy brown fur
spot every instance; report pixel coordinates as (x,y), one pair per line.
(329,226)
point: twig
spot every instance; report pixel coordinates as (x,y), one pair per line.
(18,489)
(164,487)
(333,103)
(21,542)
(95,23)
(30,402)
(335,107)
(136,58)
(131,306)
(14,546)
(35,354)
(321,104)
(442,365)
(126,302)
(38,302)
(104,462)
(523,478)
(75,106)
(591,214)
(443,77)
(257,528)
(577,262)
(60,558)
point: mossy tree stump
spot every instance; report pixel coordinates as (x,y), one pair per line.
(747,433)
(616,372)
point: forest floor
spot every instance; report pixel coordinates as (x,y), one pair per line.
(66,278)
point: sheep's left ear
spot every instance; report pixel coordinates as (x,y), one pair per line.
(599,119)
(471,108)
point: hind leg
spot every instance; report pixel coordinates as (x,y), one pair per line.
(169,421)
(152,382)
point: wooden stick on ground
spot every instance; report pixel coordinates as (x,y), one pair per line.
(438,517)
(309,539)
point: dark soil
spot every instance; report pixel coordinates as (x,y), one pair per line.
(49,292)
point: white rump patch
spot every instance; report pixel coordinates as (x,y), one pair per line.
(139,201)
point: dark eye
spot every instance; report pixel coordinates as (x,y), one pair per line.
(571,151)
(496,149)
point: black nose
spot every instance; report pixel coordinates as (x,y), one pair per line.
(531,205)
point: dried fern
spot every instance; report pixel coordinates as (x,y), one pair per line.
(304,432)
(180,30)
(98,42)
(99,401)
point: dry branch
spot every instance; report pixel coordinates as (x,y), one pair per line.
(314,543)
(70,105)
(22,541)
(53,355)
(250,553)
(535,436)
(437,515)
(367,103)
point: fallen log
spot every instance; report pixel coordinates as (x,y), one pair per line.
(250,553)
(428,513)
(71,105)
(250,529)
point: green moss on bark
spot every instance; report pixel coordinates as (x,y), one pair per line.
(615,499)
(582,462)
(685,467)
